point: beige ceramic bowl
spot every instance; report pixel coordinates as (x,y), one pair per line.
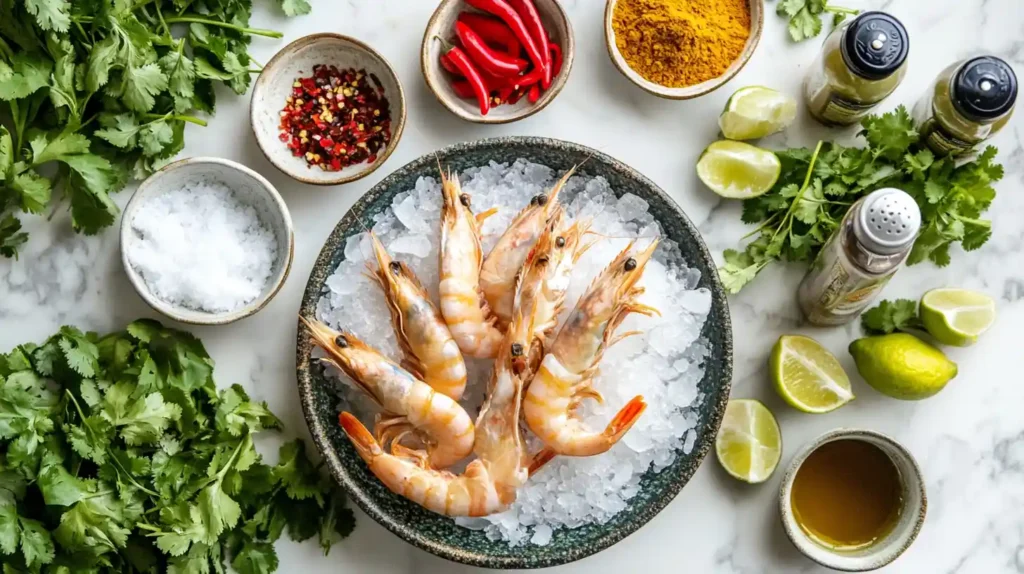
(886,550)
(442,24)
(688,92)
(250,188)
(297,60)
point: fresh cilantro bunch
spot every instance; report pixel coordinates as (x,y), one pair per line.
(119,454)
(805,16)
(96,92)
(817,187)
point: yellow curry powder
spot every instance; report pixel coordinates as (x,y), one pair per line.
(678,43)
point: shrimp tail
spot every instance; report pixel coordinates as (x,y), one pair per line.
(362,439)
(624,419)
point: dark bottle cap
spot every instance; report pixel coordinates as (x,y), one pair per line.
(875,45)
(984,88)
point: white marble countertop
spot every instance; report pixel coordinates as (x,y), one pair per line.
(969,440)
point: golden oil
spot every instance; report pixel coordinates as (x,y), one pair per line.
(847,495)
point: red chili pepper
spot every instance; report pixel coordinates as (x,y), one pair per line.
(493,31)
(516,96)
(447,64)
(534,94)
(463,89)
(528,12)
(461,61)
(504,94)
(501,9)
(556,58)
(526,80)
(486,58)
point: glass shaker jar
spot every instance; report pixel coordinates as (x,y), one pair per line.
(970,101)
(869,247)
(861,62)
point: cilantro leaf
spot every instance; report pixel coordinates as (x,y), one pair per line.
(121,130)
(29,72)
(891,316)
(236,413)
(10,529)
(255,558)
(34,191)
(154,137)
(36,544)
(11,236)
(294,7)
(80,353)
(51,15)
(298,475)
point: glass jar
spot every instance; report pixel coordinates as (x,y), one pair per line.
(861,62)
(970,101)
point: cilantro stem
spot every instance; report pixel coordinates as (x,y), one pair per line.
(180,118)
(978,222)
(788,219)
(218,23)
(841,10)
(5,48)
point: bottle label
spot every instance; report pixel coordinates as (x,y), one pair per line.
(942,142)
(841,111)
(846,293)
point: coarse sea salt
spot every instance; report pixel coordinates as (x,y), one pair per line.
(665,364)
(200,247)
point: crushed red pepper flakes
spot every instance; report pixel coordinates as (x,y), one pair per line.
(336,118)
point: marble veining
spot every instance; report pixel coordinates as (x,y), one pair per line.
(969,440)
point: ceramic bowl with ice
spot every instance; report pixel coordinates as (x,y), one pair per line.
(206,241)
(682,363)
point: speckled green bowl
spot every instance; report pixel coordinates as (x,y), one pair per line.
(438,534)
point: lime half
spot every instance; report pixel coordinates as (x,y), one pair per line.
(737,170)
(808,376)
(957,316)
(749,443)
(755,111)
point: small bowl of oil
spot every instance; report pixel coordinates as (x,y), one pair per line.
(853,500)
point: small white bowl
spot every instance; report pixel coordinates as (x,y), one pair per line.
(883,552)
(249,187)
(296,60)
(686,92)
(442,23)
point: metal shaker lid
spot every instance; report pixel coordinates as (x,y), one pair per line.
(984,88)
(875,45)
(888,221)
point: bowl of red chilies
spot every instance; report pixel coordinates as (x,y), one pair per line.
(497,61)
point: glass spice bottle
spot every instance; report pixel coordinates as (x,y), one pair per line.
(861,62)
(970,101)
(869,247)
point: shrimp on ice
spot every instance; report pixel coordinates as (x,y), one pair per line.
(469,318)
(567,370)
(410,405)
(431,353)
(546,276)
(489,483)
(498,275)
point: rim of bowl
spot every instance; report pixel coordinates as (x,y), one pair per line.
(793,529)
(557,83)
(685,92)
(368,504)
(397,127)
(139,284)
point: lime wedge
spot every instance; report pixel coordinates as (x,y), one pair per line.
(755,111)
(957,316)
(749,443)
(737,170)
(807,376)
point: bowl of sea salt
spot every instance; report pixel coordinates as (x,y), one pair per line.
(206,241)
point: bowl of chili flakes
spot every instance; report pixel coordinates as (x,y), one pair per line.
(327,109)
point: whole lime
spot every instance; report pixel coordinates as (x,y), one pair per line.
(902,366)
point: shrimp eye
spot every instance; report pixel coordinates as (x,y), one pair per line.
(395,267)
(464,199)
(517,350)
(560,241)
(630,264)
(539,199)
(341,341)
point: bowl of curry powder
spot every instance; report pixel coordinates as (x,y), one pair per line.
(681,49)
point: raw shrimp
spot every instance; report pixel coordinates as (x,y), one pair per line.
(409,404)
(567,370)
(431,354)
(469,318)
(498,275)
(546,276)
(489,483)
(474,493)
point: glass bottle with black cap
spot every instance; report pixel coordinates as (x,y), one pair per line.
(969,102)
(861,63)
